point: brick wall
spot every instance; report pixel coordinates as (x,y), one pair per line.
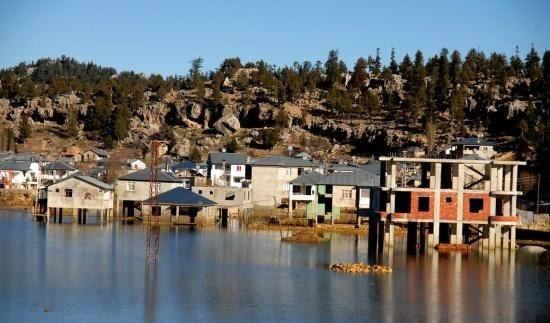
(448,206)
(421,215)
(482,215)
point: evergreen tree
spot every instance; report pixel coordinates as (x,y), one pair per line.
(25,129)
(196,77)
(443,84)
(406,69)
(419,72)
(393,63)
(232,145)
(458,101)
(332,70)
(28,89)
(195,155)
(71,123)
(10,86)
(360,74)
(532,65)
(517,64)
(121,116)
(377,66)
(455,68)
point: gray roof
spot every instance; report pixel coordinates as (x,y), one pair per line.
(24,157)
(473,142)
(99,152)
(414,149)
(303,155)
(372,166)
(144,175)
(184,164)
(180,196)
(5,155)
(350,178)
(229,158)
(283,161)
(59,165)
(308,179)
(22,166)
(89,180)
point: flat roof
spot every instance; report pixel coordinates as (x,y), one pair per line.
(451,161)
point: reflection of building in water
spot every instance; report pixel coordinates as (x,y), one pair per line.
(451,200)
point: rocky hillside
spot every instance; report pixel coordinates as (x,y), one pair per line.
(329,111)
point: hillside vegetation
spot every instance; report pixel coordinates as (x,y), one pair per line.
(326,108)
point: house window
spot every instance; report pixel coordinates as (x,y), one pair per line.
(423,204)
(131,186)
(449,199)
(286,187)
(329,189)
(365,193)
(296,189)
(68,192)
(57,190)
(300,171)
(200,191)
(239,168)
(476,205)
(346,194)
(287,171)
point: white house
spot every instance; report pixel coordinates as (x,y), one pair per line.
(135,164)
(227,169)
(57,170)
(19,174)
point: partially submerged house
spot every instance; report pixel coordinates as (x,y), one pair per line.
(180,206)
(271,176)
(324,197)
(134,188)
(80,196)
(230,201)
(456,200)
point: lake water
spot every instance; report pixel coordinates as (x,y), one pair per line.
(98,273)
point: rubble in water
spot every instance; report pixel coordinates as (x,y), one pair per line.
(359,268)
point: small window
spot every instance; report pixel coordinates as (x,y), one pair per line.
(329,189)
(239,168)
(68,192)
(423,204)
(449,199)
(365,193)
(211,192)
(200,191)
(300,171)
(57,190)
(296,189)
(346,194)
(131,186)
(476,205)
(287,171)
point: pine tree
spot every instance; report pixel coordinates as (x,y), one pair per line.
(443,84)
(517,64)
(232,145)
(71,123)
(406,69)
(332,70)
(419,72)
(195,155)
(377,66)
(121,116)
(393,63)
(359,73)
(196,77)
(532,65)
(455,68)
(25,129)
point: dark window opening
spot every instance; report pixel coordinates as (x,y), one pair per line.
(403,202)
(308,190)
(68,192)
(449,199)
(300,171)
(499,208)
(476,205)
(229,196)
(446,176)
(296,189)
(329,189)
(423,204)
(200,191)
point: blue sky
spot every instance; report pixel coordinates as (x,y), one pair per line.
(163,36)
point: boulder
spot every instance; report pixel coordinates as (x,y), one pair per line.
(227,124)
(194,110)
(182,148)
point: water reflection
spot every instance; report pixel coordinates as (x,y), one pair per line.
(100,273)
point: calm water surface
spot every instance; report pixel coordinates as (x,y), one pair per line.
(98,273)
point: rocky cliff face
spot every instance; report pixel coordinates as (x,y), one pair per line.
(212,121)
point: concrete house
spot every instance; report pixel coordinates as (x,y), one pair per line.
(57,170)
(134,188)
(327,196)
(181,206)
(449,202)
(230,201)
(271,176)
(227,169)
(77,195)
(135,164)
(94,154)
(470,147)
(19,174)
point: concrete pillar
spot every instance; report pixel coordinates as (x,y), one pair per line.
(381,227)
(459,234)
(391,234)
(507,178)
(79,216)
(513,237)
(60,215)
(436,233)
(506,237)
(498,236)
(492,234)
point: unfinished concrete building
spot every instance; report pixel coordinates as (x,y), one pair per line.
(453,201)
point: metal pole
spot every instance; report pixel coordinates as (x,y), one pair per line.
(538,193)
